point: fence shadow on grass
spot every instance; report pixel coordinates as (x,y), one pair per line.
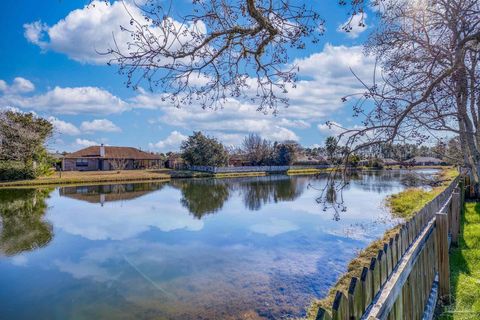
(464,260)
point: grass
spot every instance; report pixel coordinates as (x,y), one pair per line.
(102,177)
(292,172)
(404,204)
(465,270)
(82,177)
(240,174)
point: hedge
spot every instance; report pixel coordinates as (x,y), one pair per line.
(10,171)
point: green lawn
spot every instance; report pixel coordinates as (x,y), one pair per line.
(465,269)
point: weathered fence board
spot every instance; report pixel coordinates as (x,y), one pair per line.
(442,256)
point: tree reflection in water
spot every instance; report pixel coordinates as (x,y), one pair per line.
(23,227)
(206,196)
(262,190)
(203,196)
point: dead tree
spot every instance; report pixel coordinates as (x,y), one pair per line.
(428,86)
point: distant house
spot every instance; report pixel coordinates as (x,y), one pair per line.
(110,158)
(175,161)
(426,161)
(390,162)
(303,159)
(57,159)
(238,160)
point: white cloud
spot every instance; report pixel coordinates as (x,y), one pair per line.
(85,33)
(19,260)
(85,142)
(332,66)
(233,120)
(100,125)
(325,78)
(354,26)
(19,85)
(172,142)
(125,221)
(334,129)
(34,32)
(76,100)
(274,227)
(63,127)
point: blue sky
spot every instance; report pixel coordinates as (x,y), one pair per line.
(48,65)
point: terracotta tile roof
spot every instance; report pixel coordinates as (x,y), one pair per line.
(113,153)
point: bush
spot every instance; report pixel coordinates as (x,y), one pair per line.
(10,171)
(375,164)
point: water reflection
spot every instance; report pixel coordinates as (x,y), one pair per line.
(201,197)
(22,226)
(250,248)
(258,191)
(108,193)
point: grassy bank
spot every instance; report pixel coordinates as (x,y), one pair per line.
(404,204)
(240,174)
(82,177)
(103,177)
(464,269)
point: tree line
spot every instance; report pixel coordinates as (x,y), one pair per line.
(202,150)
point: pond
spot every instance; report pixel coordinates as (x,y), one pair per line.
(244,248)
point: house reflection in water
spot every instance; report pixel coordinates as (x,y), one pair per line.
(110,193)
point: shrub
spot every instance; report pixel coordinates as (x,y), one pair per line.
(375,164)
(10,171)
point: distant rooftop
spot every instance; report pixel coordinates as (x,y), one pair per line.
(425,159)
(113,153)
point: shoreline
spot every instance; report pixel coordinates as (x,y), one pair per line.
(80,178)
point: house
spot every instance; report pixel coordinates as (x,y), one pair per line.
(238,160)
(110,158)
(390,162)
(303,159)
(57,158)
(426,161)
(175,161)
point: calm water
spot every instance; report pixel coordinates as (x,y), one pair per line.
(247,248)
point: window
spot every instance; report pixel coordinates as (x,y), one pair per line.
(82,163)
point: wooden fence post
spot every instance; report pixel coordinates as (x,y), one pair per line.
(442,256)
(323,314)
(340,307)
(455,228)
(366,287)
(355,299)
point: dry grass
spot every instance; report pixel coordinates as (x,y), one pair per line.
(240,174)
(102,177)
(82,177)
(293,172)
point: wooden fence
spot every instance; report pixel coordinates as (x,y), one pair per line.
(254,168)
(411,272)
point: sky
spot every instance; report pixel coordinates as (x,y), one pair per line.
(49,64)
